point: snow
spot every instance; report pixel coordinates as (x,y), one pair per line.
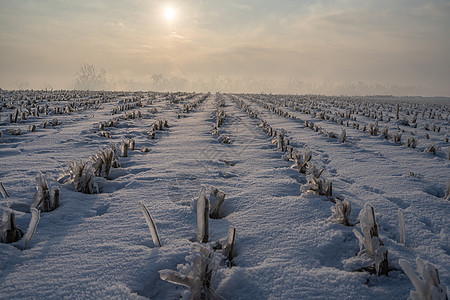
(286,245)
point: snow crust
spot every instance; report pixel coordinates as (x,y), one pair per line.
(98,246)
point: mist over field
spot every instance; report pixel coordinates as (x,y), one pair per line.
(319,47)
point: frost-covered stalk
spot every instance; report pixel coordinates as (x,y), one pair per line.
(397,111)
(9,231)
(370,241)
(11,234)
(447,191)
(397,138)
(280,141)
(328,189)
(216,199)
(81,176)
(224,139)
(55,199)
(290,149)
(151,225)
(429,287)
(431,149)
(115,158)
(297,157)
(35,217)
(315,185)
(3,190)
(343,136)
(197,274)
(131,144)
(228,249)
(103,160)
(411,143)
(306,158)
(319,186)
(313,170)
(341,212)
(373,129)
(42,196)
(385,133)
(16,116)
(401,226)
(202,217)
(124,149)
(301,163)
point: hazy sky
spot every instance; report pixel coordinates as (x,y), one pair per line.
(400,46)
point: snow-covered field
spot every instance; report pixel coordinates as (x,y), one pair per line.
(394,155)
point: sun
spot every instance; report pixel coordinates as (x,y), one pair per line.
(169,13)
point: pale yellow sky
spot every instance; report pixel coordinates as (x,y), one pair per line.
(328,47)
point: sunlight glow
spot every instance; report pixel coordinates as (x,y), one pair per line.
(169,13)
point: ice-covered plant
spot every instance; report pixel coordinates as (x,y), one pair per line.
(385,133)
(35,217)
(343,136)
(373,129)
(229,245)
(131,144)
(9,231)
(397,137)
(341,212)
(297,157)
(42,199)
(3,190)
(54,122)
(151,225)
(429,287)
(289,152)
(431,149)
(104,160)
(81,176)
(411,143)
(216,199)
(124,149)
(202,217)
(447,191)
(106,134)
(397,111)
(369,241)
(197,275)
(313,170)
(332,135)
(319,186)
(279,140)
(224,139)
(401,226)
(42,196)
(11,234)
(301,162)
(14,131)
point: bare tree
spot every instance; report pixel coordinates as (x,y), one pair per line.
(88,78)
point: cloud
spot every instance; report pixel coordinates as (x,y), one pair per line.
(341,42)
